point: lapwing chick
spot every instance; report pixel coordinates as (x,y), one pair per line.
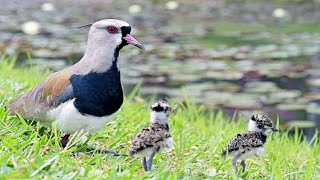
(154,138)
(251,143)
(85,96)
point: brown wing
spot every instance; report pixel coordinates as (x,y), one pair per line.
(49,93)
(152,136)
(241,141)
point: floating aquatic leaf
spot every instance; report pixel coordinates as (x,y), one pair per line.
(226,86)
(291,106)
(224,75)
(184,78)
(236,100)
(301,124)
(313,108)
(199,86)
(285,95)
(261,87)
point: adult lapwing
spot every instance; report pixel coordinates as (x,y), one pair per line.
(83,97)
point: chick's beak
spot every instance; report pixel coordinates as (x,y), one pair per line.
(275,129)
(131,40)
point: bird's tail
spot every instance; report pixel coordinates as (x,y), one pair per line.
(224,152)
(132,153)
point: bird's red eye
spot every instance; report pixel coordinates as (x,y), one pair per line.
(112,29)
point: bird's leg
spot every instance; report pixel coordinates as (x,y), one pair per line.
(144,164)
(259,152)
(64,140)
(234,162)
(111,153)
(87,149)
(149,163)
(243,164)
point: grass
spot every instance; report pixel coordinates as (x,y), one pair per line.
(32,152)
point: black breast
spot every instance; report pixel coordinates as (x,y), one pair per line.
(98,94)
(263,137)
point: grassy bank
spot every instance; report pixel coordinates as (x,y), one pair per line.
(29,151)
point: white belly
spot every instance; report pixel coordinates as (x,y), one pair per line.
(253,152)
(168,144)
(70,120)
(165,146)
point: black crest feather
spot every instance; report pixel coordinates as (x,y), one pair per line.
(83,26)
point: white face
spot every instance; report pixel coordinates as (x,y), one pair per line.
(107,31)
(252,126)
(260,123)
(158,117)
(160,112)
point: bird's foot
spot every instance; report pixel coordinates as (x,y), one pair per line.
(144,164)
(243,164)
(149,162)
(103,151)
(64,139)
(111,153)
(79,154)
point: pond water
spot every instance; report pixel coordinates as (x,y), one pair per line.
(287,90)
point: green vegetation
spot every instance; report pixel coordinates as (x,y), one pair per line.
(29,151)
(238,34)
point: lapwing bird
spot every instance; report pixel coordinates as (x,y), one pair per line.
(154,138)
(251,143)
(83,97)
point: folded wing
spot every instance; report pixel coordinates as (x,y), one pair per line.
(48,94)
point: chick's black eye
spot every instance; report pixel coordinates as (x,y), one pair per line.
(112,29)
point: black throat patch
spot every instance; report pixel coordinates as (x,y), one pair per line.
(98,94)
(124,31)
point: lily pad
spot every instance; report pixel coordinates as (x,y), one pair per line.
(291,107)
(237,100)
(226,86)
(302,124)
(313,108)
(261,87)
(284,95)
(224,75)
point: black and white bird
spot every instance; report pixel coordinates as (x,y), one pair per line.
(85,96)
(154,138)
(251,143)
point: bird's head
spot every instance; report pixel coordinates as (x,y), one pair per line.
(261,123)
(112,32)
(159,112)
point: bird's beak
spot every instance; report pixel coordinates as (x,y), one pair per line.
(131,40)
(274,129)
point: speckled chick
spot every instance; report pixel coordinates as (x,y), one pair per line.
(251,143)
(154,138)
